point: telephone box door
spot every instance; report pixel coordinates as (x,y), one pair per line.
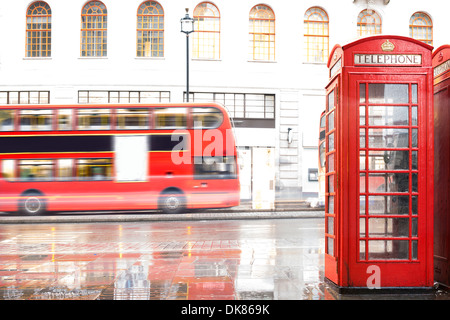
(388,220)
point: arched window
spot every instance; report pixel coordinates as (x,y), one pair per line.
(93,29)
(39,30)
(206,40)
(316,35)
(369,23)
(262,33)
(421,27)
(150,30)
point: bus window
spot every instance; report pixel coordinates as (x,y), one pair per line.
(132,119)
(65,169)
(35,120)
(36,170)
(94,169)
(94,119)
(65,119)
(207,118)
(6,120)
(170,118)
(8,169)
(214,168)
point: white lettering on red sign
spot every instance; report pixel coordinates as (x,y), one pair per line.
(388,59)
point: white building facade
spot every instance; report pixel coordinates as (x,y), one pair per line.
(265,61)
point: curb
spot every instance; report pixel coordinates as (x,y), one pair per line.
(122,216)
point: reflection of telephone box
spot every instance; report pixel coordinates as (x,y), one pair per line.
(379,157)
(441,67)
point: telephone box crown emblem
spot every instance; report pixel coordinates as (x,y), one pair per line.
(387,46)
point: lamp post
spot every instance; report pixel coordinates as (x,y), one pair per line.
(187,27)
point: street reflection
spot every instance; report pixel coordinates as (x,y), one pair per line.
(206,260)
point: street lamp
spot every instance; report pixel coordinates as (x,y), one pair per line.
(187,27)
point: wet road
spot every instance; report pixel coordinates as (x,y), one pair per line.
(270,259)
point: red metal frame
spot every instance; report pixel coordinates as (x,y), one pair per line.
(117,195)
(441,67)
(383,213)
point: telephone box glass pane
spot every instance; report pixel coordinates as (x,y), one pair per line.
(330,225)
(389,160)
(388,182)
(388,227)
(362,93)
(381,205)
(388,249)
(388,93)
(331,142)
(388,138)
(388,116)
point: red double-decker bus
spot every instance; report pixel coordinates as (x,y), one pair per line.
(116,157)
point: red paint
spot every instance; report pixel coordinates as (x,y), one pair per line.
(379,208)
(441,60)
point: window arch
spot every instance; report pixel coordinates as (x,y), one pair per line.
(206,40)
(262,33)
(150,30)
(94,29)
(369,23)
(421,27)
(39,30)
(316,35)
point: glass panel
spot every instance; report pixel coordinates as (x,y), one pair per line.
(414,138)
(362,205)
(331,142)
(362,92)
(388,227)
(330,204)
(414,160)
(132,119)
(414,205)
(388,249)
(414,227)
(362,138)
(331,183)
(362,115)
(32,120)
(388,93)
(330,246)
(331,121)
(330,100)
(362,160)
(170,118)
(414,93)
(8,172)
(414,116)
(388,138)
(388,182)
(389,160)
(65,169)
(94,169)
(362,250)
(388,116)
(94,119)
(362,183)
(415,249)
(65,119)
(207,118)
(330,162)
(6,120)
(36,170)
(362,227)
(380,205)
(330,229)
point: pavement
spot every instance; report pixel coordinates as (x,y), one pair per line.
(238,253)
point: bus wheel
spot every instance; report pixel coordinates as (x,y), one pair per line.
(172,203)
(32,203)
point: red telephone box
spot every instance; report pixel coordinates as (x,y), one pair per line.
(441,68)
(379,160)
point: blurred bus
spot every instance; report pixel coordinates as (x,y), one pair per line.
(170,157)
